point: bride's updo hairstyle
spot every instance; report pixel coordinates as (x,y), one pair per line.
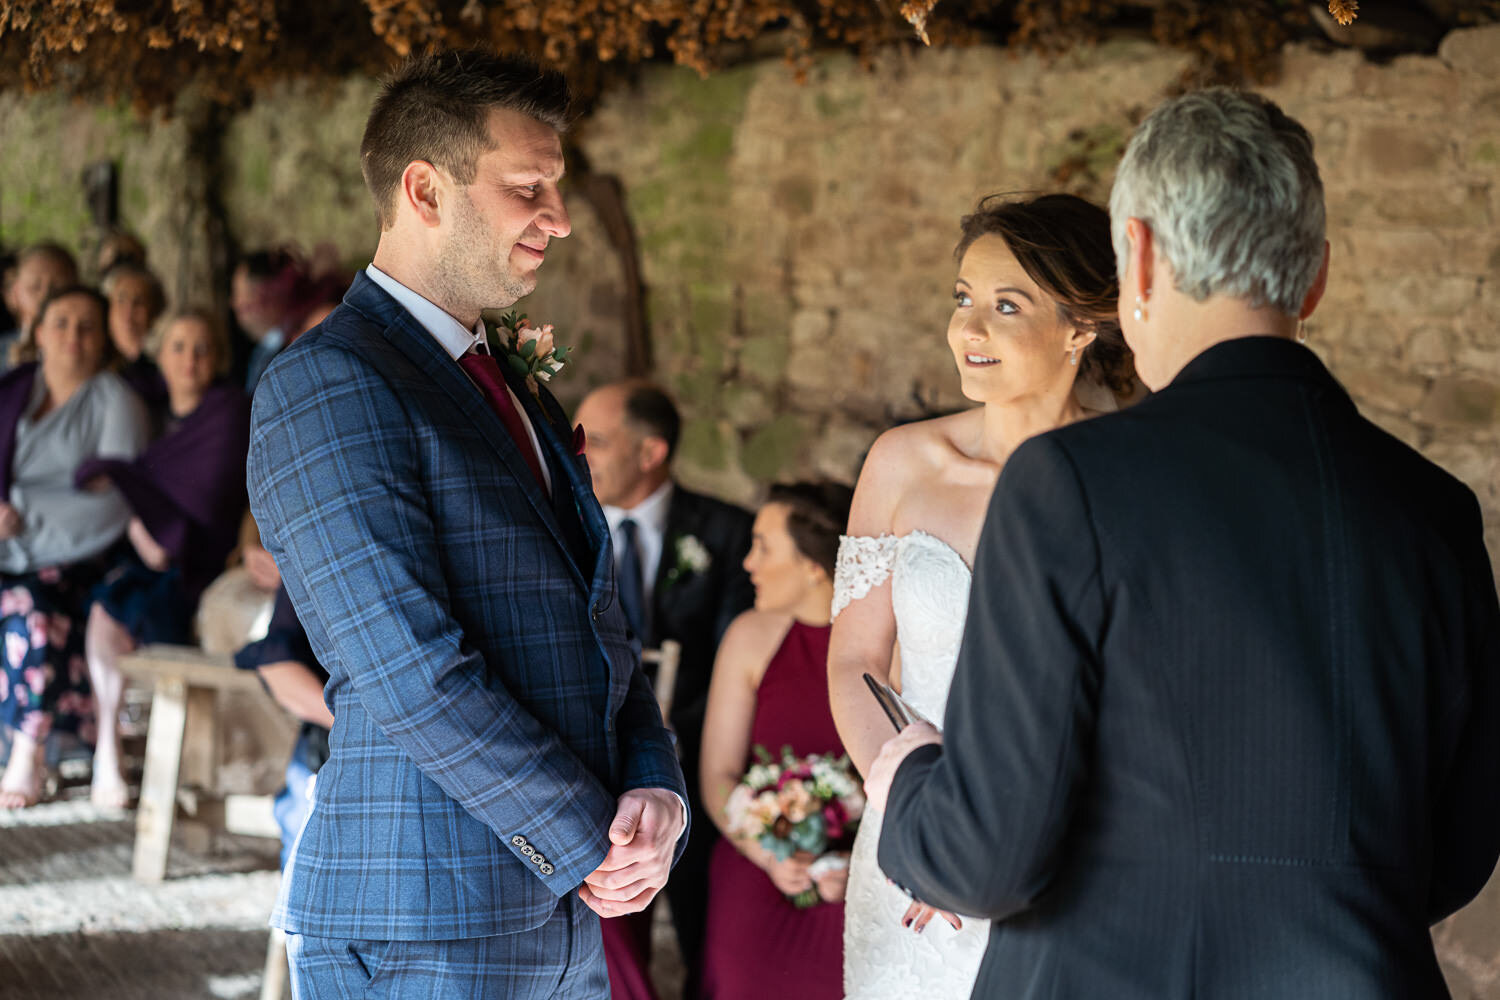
(1063,243)
(816,514)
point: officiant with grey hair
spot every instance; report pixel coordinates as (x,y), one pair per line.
(678,558)
(1226,719)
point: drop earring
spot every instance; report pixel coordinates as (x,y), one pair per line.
(1140,310)
(1301,333)
(1073,356)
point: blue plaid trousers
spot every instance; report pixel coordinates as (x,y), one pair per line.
(563,959)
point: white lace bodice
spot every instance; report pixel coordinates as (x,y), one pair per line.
(929,597)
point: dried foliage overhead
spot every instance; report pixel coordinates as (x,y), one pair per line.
(147,50)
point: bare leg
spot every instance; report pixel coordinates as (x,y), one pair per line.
(105,642)
(22,785)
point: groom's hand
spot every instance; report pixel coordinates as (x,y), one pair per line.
(644,838)
(883,771)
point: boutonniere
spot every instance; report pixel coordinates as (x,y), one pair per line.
(690,556)
(528,350)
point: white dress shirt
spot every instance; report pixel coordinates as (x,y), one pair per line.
(650,517)
(457,341)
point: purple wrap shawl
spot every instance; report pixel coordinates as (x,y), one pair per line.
(188,486)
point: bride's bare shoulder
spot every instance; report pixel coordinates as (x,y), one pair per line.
(904,458)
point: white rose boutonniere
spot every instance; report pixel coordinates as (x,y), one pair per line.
(691,556)
(528,350)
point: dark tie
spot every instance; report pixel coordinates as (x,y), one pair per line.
(485,371)
(632,587)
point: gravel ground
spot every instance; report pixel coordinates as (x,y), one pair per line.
(73,924)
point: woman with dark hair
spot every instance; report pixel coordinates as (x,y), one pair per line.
(770,689)
(56,537)
(186,493)
(136,301)
(1037,343)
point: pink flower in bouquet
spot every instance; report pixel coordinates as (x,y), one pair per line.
(764,810)
(526,333)
(853,805)
(796,801)
(834,818)
(15,601)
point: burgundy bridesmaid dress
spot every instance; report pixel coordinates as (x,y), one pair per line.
(757,944)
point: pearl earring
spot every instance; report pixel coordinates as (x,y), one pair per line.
(1140,310)
(1073,355)
(1301,333)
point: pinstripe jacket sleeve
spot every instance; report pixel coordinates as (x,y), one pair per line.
(336,484)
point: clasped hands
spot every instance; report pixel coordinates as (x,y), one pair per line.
(878,790)
(643,839)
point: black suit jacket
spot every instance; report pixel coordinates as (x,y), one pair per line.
(1226,720)
(695,608)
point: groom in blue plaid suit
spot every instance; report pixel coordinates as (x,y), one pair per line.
(499,772)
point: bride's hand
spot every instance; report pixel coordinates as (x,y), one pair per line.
(919,914)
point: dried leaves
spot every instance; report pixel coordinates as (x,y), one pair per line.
(148,49)
(1344,11)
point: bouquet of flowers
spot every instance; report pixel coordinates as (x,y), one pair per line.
(810,804)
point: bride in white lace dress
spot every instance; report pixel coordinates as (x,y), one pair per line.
(1029,317)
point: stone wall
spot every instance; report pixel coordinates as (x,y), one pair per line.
(796,239)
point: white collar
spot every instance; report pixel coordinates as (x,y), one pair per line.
(650,513)
(446,330)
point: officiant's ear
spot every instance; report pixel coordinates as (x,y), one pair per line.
(1140,260)
(1319,286)
(422,188)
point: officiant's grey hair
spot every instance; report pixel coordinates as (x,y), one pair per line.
(1227,182)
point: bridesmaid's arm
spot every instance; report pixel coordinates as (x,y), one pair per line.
(864,634)
(749,643)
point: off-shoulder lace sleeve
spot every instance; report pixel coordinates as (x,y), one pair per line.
(863,564)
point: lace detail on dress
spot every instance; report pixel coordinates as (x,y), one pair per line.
(863,564)
(883,960)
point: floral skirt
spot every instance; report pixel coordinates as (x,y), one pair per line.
(44,683)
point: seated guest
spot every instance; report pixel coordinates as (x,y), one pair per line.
(136,301)
(40,270)
(264,287)
(55,538)
(293,676)
(770,689)
(186,493)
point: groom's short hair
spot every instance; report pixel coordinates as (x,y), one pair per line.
(437,108)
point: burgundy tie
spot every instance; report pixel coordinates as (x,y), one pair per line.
(485,371)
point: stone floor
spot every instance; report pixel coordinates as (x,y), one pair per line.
(75,926)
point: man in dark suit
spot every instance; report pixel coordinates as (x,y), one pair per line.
(499,771)
(678,558)
(1226,720)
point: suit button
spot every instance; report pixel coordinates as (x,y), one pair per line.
(518,840)
(537,859)
(547,869)
(528,850)
(598,611)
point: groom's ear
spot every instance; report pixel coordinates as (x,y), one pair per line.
(423,192)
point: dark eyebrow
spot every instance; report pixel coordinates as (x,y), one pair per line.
(1019,291)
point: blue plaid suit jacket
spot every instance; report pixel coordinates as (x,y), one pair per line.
(488,704)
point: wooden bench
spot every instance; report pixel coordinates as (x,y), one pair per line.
(182,753)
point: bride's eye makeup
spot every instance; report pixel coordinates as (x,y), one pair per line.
(962,297)
(1006,307)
